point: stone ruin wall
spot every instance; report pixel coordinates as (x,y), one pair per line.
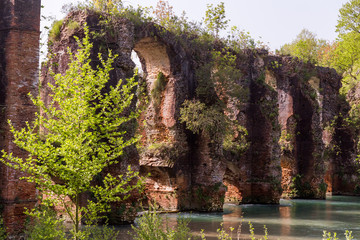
(289,106)
(19,66)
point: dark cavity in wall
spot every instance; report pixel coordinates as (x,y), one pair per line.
(303,111)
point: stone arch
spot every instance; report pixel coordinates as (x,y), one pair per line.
(164,143)
(155,60)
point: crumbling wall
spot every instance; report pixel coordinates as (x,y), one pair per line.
(289,103)
(19,58)
(308,103)
(288,107)
(343,174)
(255,175)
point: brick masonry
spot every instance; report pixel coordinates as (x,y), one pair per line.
(19,64)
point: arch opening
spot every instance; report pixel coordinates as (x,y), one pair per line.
(160,135)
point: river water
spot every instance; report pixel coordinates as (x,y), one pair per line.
(292,219)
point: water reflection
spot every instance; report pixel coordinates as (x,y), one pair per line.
(292,219)
(285,216)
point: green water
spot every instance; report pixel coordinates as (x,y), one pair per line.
(292,219)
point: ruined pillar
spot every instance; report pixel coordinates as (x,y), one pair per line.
(19,61)
(307,104)
(255,175)
(164,143)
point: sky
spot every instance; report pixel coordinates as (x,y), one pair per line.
(276,21)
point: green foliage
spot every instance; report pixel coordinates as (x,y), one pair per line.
(306,47)
(322,188)
(54,33)
(166,151)
(201,118)
(329,236)
(108,6)
(235,139)
(215,19)
(349,17)
(225,75)
(110,10)
(218,79)
(217,86)
(151,226)
(222,234)
(295,186)
(252,232)
(327,54)
(3,234)
(103,232)
(73,25)
(137,15)
(301,188)
(158,88)
(239,40)
(80,134)
(347,60)
(286,141)
(44,225)
(345,56)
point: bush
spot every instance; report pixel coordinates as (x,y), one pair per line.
(99,233)
(54,33)
(3,234)
(159,87)
(73,25)
(152,226)
(328,236)
(44,225)
(199,117)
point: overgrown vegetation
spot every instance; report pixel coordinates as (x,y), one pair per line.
(77,135)
(54,33)
(44,224)
(158,88)
(344,56)
(333,236)
(151,225)
(200,118)
(3,234)
(86,128)
(217,86)
(306,47)
(217,76)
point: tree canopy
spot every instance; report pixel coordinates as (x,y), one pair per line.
(76,136)
(349,18)
(306,47)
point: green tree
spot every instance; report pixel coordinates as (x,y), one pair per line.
(349,17)
(306,47)
(239,40)
(215,19)
(347,60)
(111,6)
(76,136)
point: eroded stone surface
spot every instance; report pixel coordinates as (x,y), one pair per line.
(288,107)
(19,56)
(289,102)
